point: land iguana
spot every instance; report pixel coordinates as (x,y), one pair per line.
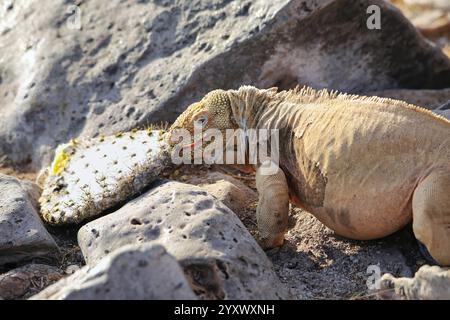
(364,166)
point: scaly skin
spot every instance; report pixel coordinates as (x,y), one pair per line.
(364,166)
(429,283)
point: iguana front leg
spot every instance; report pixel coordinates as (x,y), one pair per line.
(273,207)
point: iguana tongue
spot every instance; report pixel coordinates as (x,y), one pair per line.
(190,145)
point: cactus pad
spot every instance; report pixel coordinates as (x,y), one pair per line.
(92,175)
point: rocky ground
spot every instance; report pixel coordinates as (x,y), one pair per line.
(189,235)
(317,264)
(314,263)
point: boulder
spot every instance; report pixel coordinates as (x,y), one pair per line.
(34,192)
(219,256)
(235,194)
(18,282)
(22,234)
(429,16)
(85,70)
(137,272)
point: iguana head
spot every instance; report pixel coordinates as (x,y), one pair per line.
(221,110)
(212,112)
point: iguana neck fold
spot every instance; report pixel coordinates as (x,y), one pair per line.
(248,104)
(254,108)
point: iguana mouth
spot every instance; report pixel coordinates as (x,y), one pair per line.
(190,145)
(203,140)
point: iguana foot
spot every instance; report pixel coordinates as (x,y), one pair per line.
(272,242)
(273,208)
(429,283)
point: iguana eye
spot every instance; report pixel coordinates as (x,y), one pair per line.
(201,121)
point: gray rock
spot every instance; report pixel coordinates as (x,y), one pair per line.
(34,192)
(22,234)
(444,113)
(33,277)
(127,64)
(444,109)
(445,106)
(219,256)
(233,193)
(138,272)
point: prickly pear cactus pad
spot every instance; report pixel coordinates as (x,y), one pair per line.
(89,176)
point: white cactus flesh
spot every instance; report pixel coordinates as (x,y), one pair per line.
(90,176)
